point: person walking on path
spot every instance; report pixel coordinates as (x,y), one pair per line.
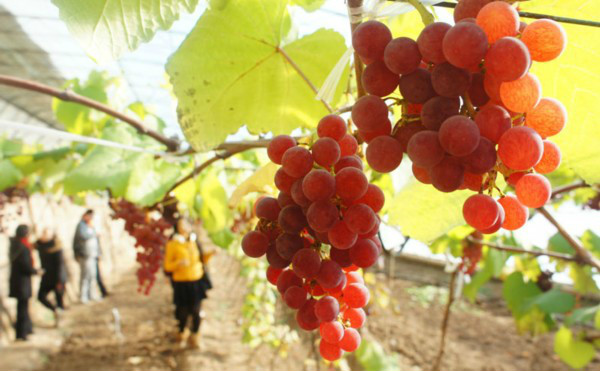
(86,248)
(183,260)
(55,273)
(21,270)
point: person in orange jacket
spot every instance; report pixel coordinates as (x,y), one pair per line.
(183,262)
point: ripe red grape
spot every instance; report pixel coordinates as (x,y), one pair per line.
(331,126)
(351,340)
(402,56)
(255,244)
(547,118)
(516,214)
(477,91)
(550,158)
(369,113)
(520,148)
(277,147)
(288,245)
(341,236)
(533,190)
(448,175)
(348,161)
(268,208)
(297,161)
(356,295)
(295,297)
(330,352)
(437,110)
(291,219)
(384,154)
(327,309)
(480,211)
(326,152)
(498,19)
(493,121)
(350,183)
(416,86)
(459,135)
(359,218)
(374,198)
(331,332)
(306,263)
(364,253)
(369,40)
(465,45)
(348,145)
(482,159)
(545,39)
(521,95)
(378,80)
(430,42)
(318,185)
(406,132)
(356,317)
(449,81)
(508,59)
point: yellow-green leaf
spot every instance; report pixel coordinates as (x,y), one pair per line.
(257,182)
(573,352)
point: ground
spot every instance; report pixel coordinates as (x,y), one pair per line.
(477,339)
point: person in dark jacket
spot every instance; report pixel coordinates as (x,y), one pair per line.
(55,273)
(21,270)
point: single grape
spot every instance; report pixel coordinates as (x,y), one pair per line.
(465,45)
(498,19)
(318,185)
(292,219)
(283,181)
(383,130)
(369,113)
(287,279)
(374,198)
(306,316)
(498,223)
(533,190)
(348,161)
(331,332)
(477,91)
(364,253)
(548,118)
(406,132)
(402,56)
(521,95)
(359,218)
(430,42)
(369,40)
(459,135)
(348,145)
(330,352)
(378,80)
(306,263)
(327,309)
(425,150)
(342,257)
(356,295)
(297,162)
(275,260)
(356,316)
(330,274)
(520,148)
(482,159)
(448,175)
(416,87)
(326,152)
(355,277)
(437,110)
(513,178)
(421,174)
(473,181)
(480,211)
(516,213)
(273,274)
(550,158)
(322,215)
(351,340)
(341,236)
(298,193)
(508,59)
(493,121)
(449,81)
(288,245)
(331,126)
(468,9)
(295,297)
(255,244)
(545,39)
(384,154)
(277,147)
(267,208)
(351,183)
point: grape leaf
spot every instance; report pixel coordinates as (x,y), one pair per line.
(554,301)
(150,180)
(557,243)
(574,78)
(231,71)
(519,293)
(583,315)
(10,174)
(424,213)
(213,212)
(257,182)
(106,29)
(583,281)
(575,353)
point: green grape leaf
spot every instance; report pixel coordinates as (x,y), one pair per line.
(519,293)
(213,211)
(557,243)
(573,78)
(107,29)
(554,301)
(150,180)
(242,77)
(222,238)
(575,353)
(10,174)
(309,5)
(583,281)
(424,213)
(372,357)
(105,167)
(584,315)
(591,241)
(52,176)
(492,267)
(257,182)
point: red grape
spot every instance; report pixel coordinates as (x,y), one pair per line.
(297,162)
(378,80)
(520,148)
(318,185)
(255,244)
(533,190)
(437,110)
(482,159)
(516,213)
(545,39)
(550,158)
(369,40)
(459,135)
(498,19)
(341,236)
(480,211)
(430,42)
(402,56)
(384,154)
(277,147)
(306,263)
(356,295)
(465,45)
(416,86)
(547,118)
(508,59)
(425,150)
(326,152)
(449,81)
(493,121)
(351,183)
(448,175)
(331,126)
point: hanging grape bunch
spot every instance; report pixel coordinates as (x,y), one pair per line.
(321,228)
(471,110)
(149,234)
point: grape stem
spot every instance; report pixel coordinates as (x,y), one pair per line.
(469,105)
(69,96)
(568,188)
(303,75)
(582,255)
(451,287)
(358,65)
(519,250)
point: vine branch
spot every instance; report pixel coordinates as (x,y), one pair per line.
(438,359)
(69,96)
(358,65)
(519,250)
(583,255)
(568,188)
(304,77)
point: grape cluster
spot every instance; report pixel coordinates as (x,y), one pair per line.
(318,232)
(149,234)
(470,110)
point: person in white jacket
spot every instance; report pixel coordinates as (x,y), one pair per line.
(86,248)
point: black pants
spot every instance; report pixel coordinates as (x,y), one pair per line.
(99,279)
(184,312)
(24,326)
(43,297)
